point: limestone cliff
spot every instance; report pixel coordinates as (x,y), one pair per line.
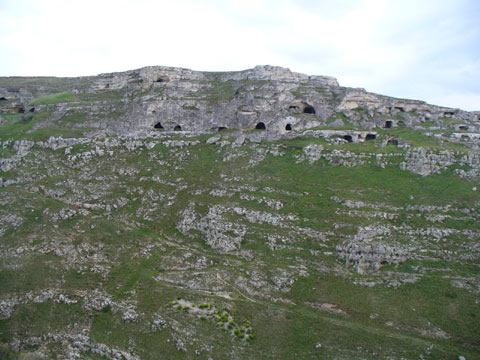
(138,102)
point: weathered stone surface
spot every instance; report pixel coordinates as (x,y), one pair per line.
(199,102)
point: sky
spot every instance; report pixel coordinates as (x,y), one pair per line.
(420,49)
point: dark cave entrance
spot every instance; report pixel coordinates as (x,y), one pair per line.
(348,138)
(388,124)
(370,137)
(308,109)
(260,126)
(221,128)
(177,128)
(158,126)
(288,127)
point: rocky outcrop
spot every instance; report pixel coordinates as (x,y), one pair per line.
(369,251)
(156,98)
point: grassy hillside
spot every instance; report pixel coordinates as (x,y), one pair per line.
(295,248)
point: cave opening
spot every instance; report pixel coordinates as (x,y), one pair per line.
(393,142)
(308,109)
(158,126)
(348,138)
(288,127)
(463,127)
(370,137)
(3,98)
(388,124)
(221,128)
(260,126)
(177,128)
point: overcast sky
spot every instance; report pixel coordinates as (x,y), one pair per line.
(419,49)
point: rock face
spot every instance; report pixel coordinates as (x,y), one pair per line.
(160,98)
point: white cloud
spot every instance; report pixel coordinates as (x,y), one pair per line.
(416,49)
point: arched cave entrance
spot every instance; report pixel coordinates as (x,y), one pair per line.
(370,137)
(221,128)
(19,109)
(288,127)
(308,109)
(463,127)
(348,138)
(158,126)
(3,98)
(260,126)
(388,124)
(177,128)
(32,109)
